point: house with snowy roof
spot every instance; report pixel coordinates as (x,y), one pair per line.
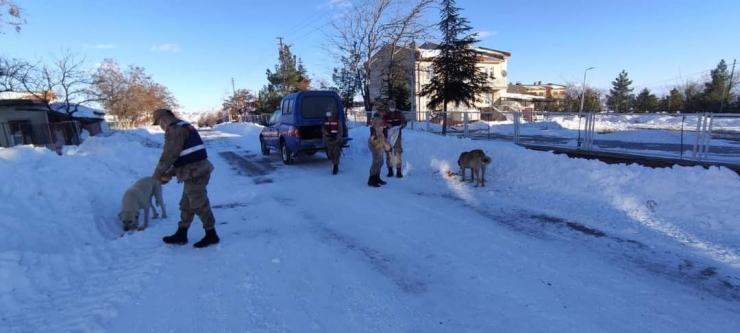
(26,119)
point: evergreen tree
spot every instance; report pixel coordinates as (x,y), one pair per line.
(289,75)
(347,79)
(692,97)
(673,102)
(646,101)
(735,105)
(716,87)
(620,98)
(457,79)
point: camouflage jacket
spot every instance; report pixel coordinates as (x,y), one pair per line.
(378,137)
(174,140)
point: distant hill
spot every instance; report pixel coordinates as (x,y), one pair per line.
(190,116)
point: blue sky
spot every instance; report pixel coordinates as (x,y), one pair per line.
(196,47)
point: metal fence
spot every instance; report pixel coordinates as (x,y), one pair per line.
(41,135)
(709,137)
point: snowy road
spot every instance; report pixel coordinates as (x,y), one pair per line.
(305,251)
(356,259)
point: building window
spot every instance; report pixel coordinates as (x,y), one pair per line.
(429,73)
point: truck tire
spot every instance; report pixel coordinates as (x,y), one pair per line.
(263,146)
(285,153)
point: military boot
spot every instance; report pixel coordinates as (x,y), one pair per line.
(390,172)
(371,182)
(335,170)
(209,239)
(379,181)
(398,173)
(180,237)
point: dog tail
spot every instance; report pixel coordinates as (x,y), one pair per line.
(486,160)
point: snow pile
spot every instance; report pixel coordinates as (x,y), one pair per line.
(683,195)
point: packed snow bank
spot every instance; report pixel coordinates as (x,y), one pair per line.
(690,205)
(59,215)
(55,204)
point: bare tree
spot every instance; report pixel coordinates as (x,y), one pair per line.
(361,31)
(592,101)
(403,29)
(12,15)
(10,70)
(62,86)
(130,95)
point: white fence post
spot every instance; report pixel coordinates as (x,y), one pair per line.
(707,137)
(517,120)
(695,150)
(429,120)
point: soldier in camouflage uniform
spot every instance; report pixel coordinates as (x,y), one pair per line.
(377,144)
(184,156)
(332,131)
(395,118)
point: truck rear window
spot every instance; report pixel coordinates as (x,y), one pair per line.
(316,106)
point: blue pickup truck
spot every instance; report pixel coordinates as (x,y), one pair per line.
(295,128)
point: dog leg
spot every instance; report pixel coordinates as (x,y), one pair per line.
(463,174)
(155,215)
(158,197)
(483,176)
(477,176)
(146,219)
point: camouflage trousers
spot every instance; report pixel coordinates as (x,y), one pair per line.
(376,148)
(334,151)
(394,155)
(195,201)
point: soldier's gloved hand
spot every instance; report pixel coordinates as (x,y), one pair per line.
(387,146)
(164,179)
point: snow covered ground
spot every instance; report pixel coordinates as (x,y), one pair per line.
(551,244)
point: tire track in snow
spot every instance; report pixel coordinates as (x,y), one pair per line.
(76,292)
(678,267)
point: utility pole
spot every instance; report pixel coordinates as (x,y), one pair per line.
(235,98)
(726,93)
(282,62)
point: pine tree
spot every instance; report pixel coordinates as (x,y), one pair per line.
(457,79)
(716,87)
(289,75)
(347,79)
(673,102)
(646,101)
(620,97)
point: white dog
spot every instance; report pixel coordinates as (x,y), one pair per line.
(139,196)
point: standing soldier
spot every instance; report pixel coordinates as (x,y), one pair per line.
(395,119)
(184,155)
(377,143)
(332,130)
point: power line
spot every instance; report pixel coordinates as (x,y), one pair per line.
(672,79)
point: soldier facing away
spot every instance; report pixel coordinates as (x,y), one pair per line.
(395,118)
(377,143)
(332,130)
(184,156)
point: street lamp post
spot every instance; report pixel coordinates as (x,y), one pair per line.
(583,98)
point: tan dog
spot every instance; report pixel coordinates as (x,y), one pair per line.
(477,161)
(139,196)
